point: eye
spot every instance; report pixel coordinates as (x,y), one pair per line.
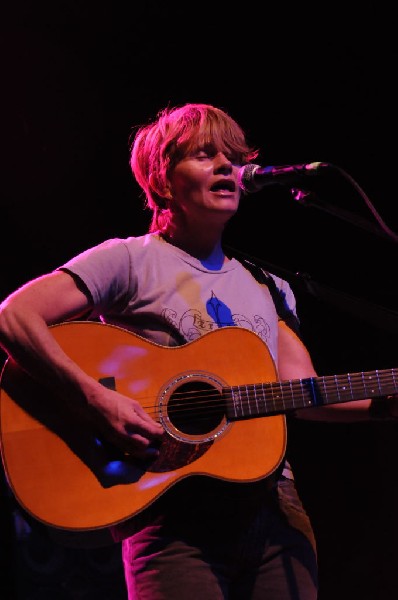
(202,155)
(205,151)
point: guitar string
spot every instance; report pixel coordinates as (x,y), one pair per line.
(354,387)
(290,387)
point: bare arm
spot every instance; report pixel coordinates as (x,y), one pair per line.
(26,337)
(295,363)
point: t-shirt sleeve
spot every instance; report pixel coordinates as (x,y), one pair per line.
(105,270)
(285,302)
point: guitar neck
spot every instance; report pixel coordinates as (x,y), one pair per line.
(279,397)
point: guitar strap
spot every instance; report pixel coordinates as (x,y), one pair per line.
(278,296)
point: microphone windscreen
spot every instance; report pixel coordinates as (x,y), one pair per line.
(246,177)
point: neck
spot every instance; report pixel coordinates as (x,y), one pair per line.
(205,245)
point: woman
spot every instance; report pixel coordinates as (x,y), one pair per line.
(205,536)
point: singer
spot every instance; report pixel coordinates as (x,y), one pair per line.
(228,527)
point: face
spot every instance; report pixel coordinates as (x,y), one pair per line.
(205,185)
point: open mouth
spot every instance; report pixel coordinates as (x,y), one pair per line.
(226,185)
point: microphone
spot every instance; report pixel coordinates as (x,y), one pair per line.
(252,178)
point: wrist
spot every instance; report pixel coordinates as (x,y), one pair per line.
(384,408)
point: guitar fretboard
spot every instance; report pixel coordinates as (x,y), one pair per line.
(277,397)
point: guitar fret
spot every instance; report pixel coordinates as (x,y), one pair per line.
(248,400)
(256,399)
(350,384)
(266,396)
(302,393)
(282,396)
(393,376)
(344,391)
(240,401)
(337,388)
(324,387)
(307,392)
(378,380)
(280,400)
(291,393)
(278,397)
(370,379)
(363,383)
(240,396)
(234,402)
(273,396)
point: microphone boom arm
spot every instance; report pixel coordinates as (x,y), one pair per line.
(310,199)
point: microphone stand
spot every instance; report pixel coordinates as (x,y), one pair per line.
(371,313)
(307,198)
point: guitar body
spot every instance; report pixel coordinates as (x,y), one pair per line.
(67,477)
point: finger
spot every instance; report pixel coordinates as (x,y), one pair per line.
(149,424)
(140,447)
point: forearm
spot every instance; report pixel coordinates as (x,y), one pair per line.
(375,409)
(121,419)
(337,413)
(27,340)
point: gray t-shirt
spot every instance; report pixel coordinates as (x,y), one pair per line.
(160,292)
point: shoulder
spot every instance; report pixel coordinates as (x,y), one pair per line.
(266,277)
(115,246)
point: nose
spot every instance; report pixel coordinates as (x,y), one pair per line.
(222,164)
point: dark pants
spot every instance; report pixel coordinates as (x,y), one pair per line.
(232,545)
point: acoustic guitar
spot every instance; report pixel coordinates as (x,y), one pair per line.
(218,399)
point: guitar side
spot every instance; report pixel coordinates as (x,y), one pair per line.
(65,477)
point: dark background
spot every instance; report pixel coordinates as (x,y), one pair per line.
(308,83)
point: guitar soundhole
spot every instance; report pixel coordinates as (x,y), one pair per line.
(196,408)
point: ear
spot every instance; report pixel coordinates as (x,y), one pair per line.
(165,192)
